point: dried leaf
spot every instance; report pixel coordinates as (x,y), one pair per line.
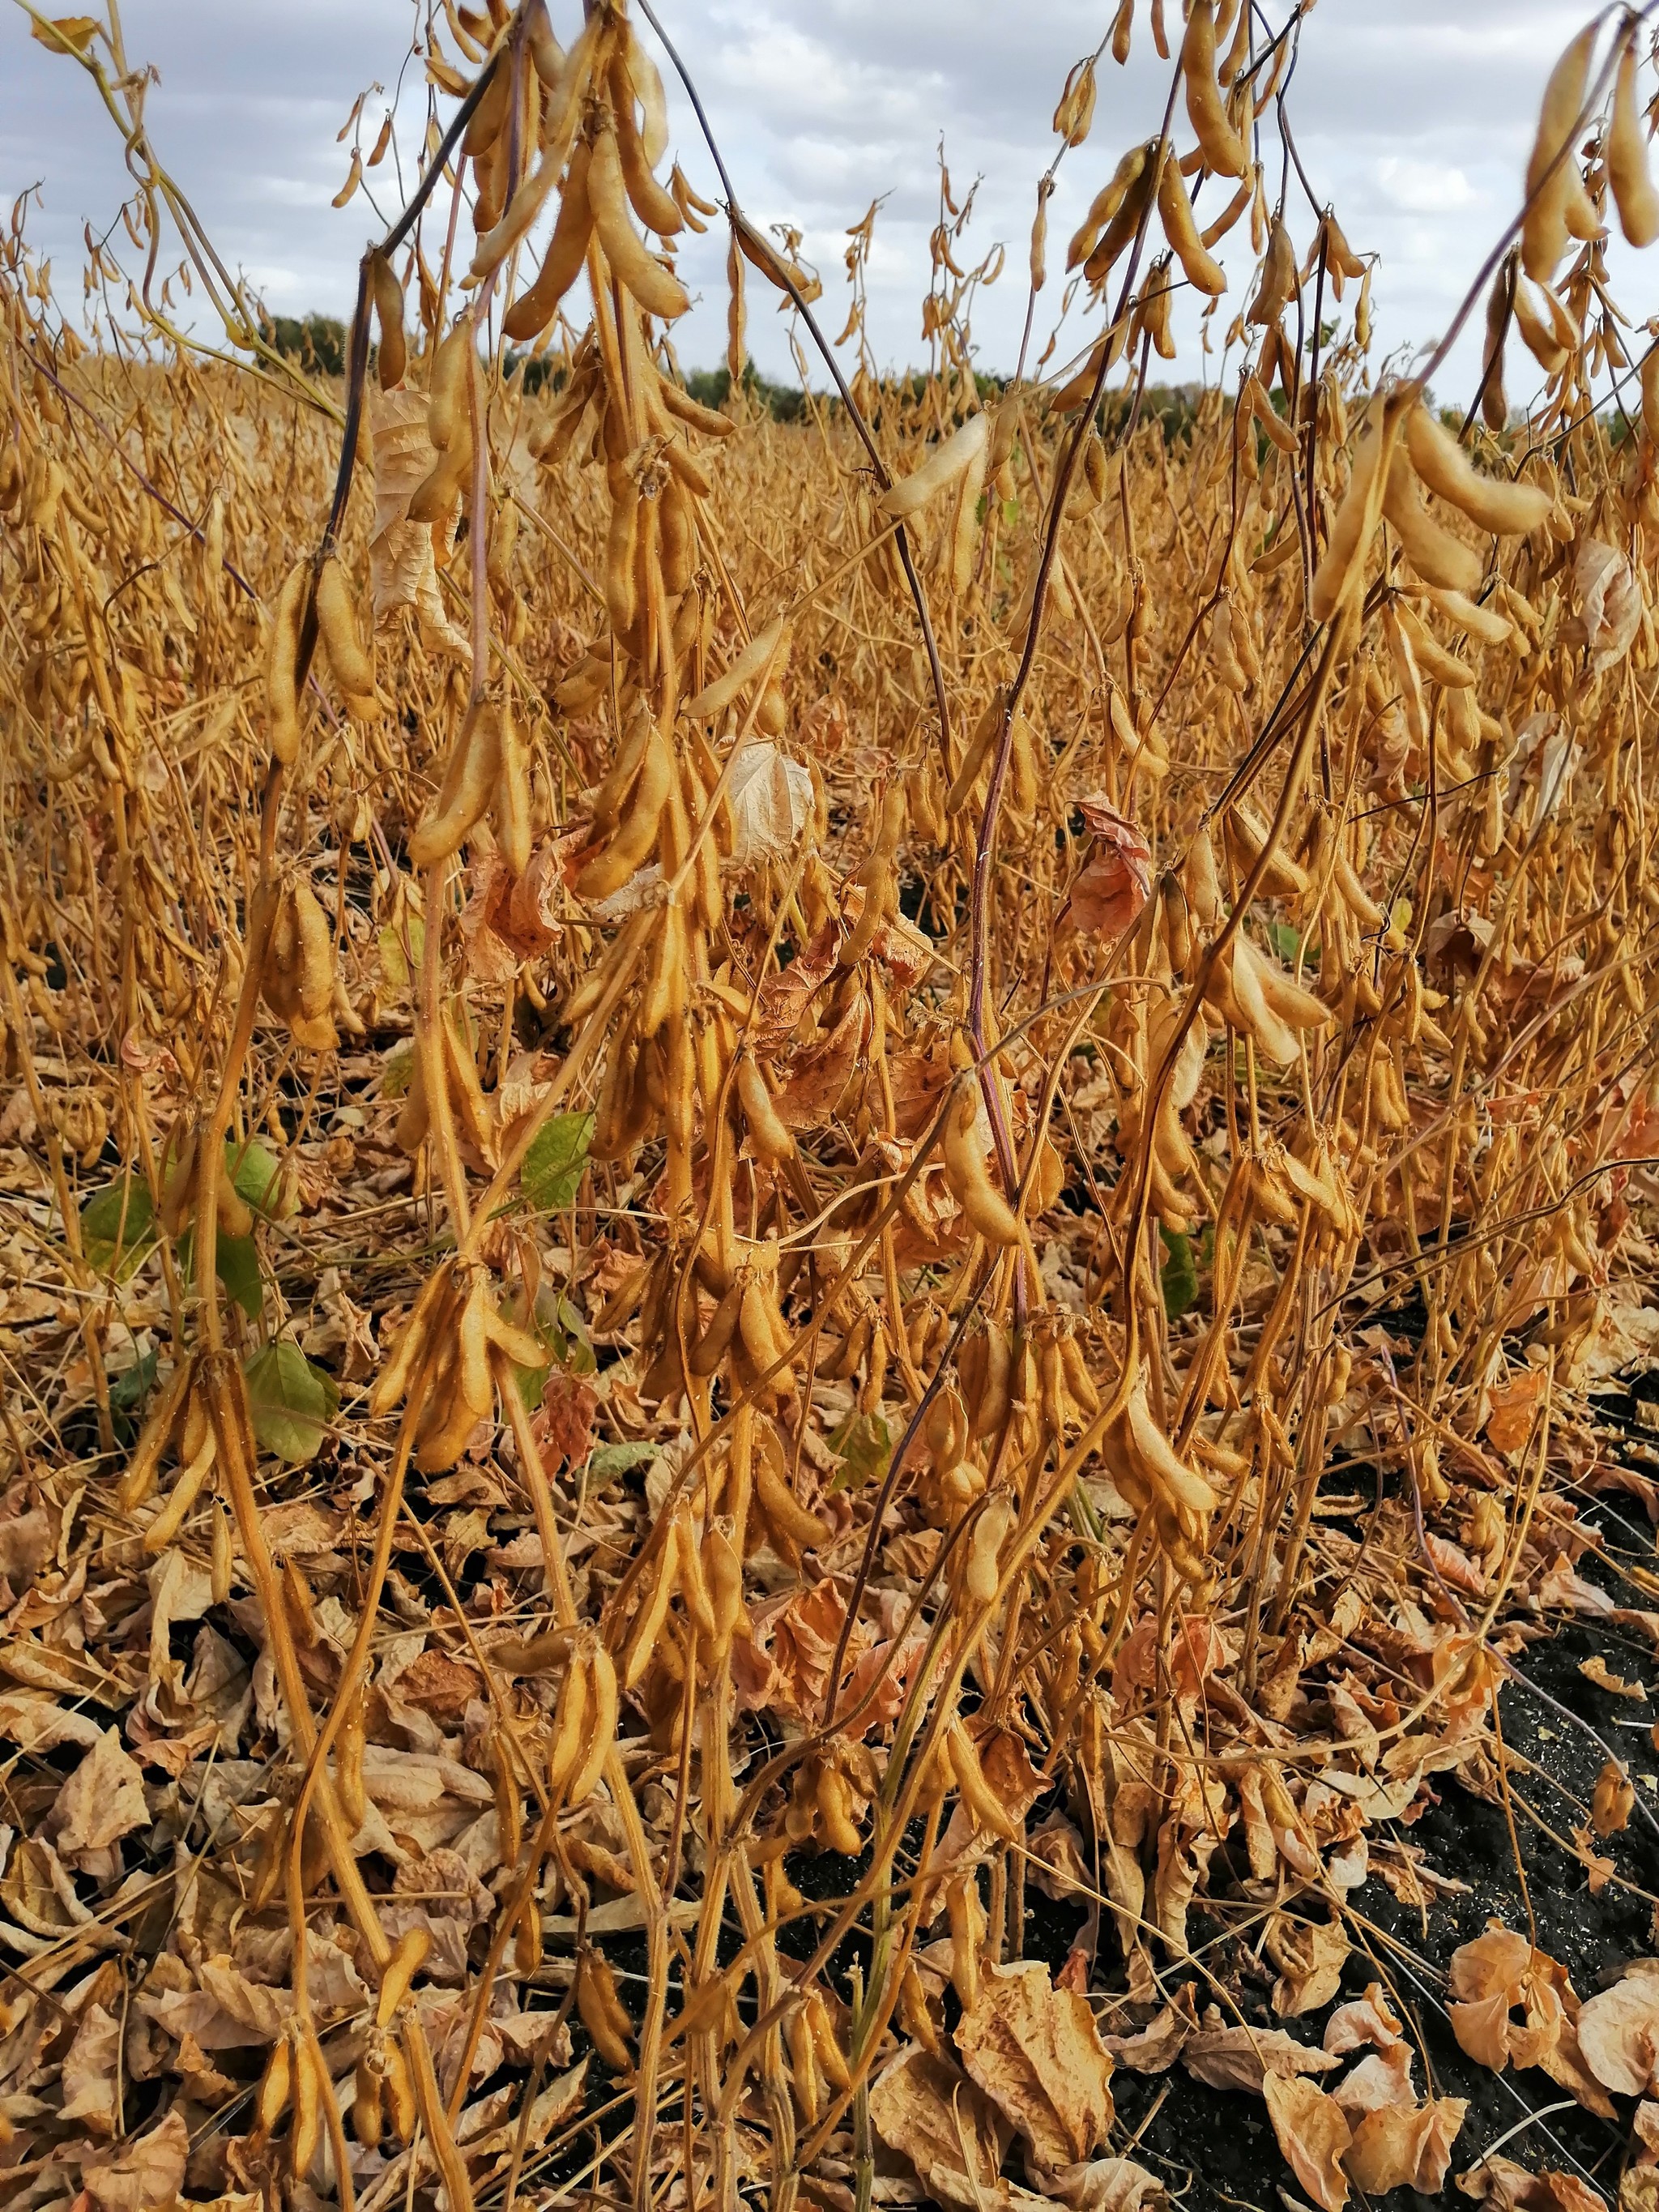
(1242,2057)
(1037,2052)
(1117,879)
(101,1802)
(1362,2021)
(1618,2034)
(147,2173)
(1313,2134)
(1109,2185)
(928,2110)
(1405,2147)
(1309,1957)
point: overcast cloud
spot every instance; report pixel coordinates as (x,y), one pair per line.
(1412,117)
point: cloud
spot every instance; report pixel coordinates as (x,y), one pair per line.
(1424,187)
(1413,119)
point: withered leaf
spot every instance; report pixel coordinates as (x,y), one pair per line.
(927,2110)
(1037,2052)
(1313,2134)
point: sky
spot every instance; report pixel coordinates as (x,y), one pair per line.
(1411,117)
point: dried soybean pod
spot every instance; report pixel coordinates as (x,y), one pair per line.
(1223,150)
(485,125)
(987,731)
(1121,229)
(1344,560)
(311,2085)
(1122,30)
(1182,231)
(768,1133)
(349,1746)
(622,559)
(513,828)
(658,291)
(1039,252)
(1504,508)
(784,1509)
(276,2085)
(640,1648)
(943,466)
(677,536)
(282,667)
(612,795)
(569,1726)
(1557,201)
(603,2012)
(966,524)
(1105,205)
(528,1940)
(737,317)
(1494,402)
(393,362)
(979,1800)
(637,831)
(675,400)
(769,645)
(652,203)
(1213,232)
(468,787)
(547,55)
(601,1734)
(966,1172)
(1278,284)
(368,2099)
(979,1574)
(1437,557)
(567,251)
(447,411)
(336,624)
(400,2107)
(1628,173)
(139,1480)
(1076,111)
(401,1968)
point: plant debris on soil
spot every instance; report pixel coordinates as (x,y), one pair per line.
(830,1350)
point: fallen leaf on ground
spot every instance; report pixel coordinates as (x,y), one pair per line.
(1037,2052)
(1405,2147)
(928,2110)
(1313,2133)
(1241,2057)
(1618,2034)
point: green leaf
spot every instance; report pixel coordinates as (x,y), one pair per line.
(118,1228)
(129,1391)
(236,1263)
(394,966)
(609,1459)
(558,1325)
(1180,1275)
(571,1343)
(552,1167)
(399,1072)
(864,1445)
(292,1402)
(1287,942)
(257,1176)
